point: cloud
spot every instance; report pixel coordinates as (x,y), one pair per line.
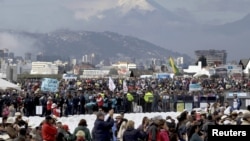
(84,10)
(18,44)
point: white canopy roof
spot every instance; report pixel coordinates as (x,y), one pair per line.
(8,85)
(202,72)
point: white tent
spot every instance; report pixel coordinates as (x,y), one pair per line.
(8,85)
(201,73)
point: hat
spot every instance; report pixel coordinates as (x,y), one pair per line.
(17,114)
(224,117)
(80,133)
(49,97)
(10,120)
(65,127)
(53,105)
(246,115)
(118,116)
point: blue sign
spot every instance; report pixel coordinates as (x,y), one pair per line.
(49,85)
(195,87)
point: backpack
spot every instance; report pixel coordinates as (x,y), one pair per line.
(69,137)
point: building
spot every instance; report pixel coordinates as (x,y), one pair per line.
(44,68)
(27,56)
(214,57)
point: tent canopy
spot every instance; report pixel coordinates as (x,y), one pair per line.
(8,85)
(202,73)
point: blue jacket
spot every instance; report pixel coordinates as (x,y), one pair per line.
(102,130)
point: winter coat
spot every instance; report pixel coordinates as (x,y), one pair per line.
(132,134)
(102,129)
(85,130)
(49,132)
(163,135)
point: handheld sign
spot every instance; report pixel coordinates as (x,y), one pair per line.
(49,85)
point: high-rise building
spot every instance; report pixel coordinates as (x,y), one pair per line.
(11,55)
(27,56)
(1,54)
(214,57)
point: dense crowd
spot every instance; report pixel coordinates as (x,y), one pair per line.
(88,96)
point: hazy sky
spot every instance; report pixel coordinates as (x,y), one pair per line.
(50,15)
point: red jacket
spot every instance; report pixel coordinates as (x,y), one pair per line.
(163,135)
(49,132)
(49,104)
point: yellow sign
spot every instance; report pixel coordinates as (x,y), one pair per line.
(180,107)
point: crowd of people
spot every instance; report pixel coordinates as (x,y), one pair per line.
(93,96)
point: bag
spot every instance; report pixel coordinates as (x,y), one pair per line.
(69,137)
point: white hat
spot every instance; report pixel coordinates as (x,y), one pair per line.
(53,105)
(10,120)
(49,97)
(17,114)
(224,117)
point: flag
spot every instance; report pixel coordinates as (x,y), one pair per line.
(111,84)
(173,66)
(125,87)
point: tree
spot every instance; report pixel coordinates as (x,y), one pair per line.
(203,61)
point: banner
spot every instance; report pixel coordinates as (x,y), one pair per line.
(195,87)
(189,106)
(180,107)
(111,84)
(49,85)
(39,110)
(125,87)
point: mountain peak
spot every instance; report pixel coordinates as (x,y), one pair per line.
(128,5)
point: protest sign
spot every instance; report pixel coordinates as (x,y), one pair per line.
(49,85)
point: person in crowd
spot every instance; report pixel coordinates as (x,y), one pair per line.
(236,102)
(22,135)
(246,118)
(144,124)
(120,126)
(6,111)
(152,129)
(82,126)
(36,133)
(102,128)
(11,128)
(194,133)
(49,130)
(55,110)
(132,134)
(67,135)
(181,126)
(20,122)
(49,105)
(210,121)
(163,133)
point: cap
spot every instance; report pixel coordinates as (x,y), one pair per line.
(65,127)
(53,105)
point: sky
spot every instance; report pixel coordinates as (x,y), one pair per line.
(51,15)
